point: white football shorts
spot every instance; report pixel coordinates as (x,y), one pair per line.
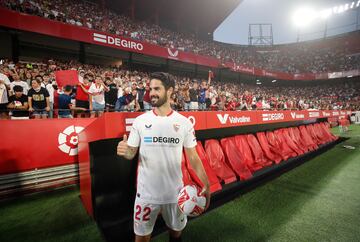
(145,215)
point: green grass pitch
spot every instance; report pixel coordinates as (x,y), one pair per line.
(317,201)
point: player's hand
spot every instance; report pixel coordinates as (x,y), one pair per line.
(206,191)
(47,109)
(122,146)
(31,110)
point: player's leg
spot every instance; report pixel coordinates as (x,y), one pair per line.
(142,238)
(174,219)
(145,216)
(174,236)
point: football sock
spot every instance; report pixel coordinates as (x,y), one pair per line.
(172,239)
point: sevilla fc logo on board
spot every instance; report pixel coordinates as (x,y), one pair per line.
(173,54)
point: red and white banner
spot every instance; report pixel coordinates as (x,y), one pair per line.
(45,26)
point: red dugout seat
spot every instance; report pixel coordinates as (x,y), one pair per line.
(306,138)
(217,161)
(245,150)
(275,145)
(285,150)
(296,137)
(311,131)
(235,158)
(290,142)
(326,131)
(323,137)
(258,153)
(267,149)
(213,180)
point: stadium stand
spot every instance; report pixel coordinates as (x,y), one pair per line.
(309,57)
(128,89)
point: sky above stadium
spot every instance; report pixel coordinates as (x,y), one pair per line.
(234,29)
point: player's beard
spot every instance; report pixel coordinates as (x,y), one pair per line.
(159,101)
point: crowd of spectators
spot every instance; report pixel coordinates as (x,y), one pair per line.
(30,90)
(300,58)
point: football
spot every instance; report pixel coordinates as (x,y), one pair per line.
(190,202)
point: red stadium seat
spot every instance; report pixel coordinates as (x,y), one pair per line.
(285,150)
(294,133)
(245,150)
(258,153)
(306,138)
(235,158)
(213,180)
(290,142)
(266,148)
(311,131)
(326,128)
(326,132)
(320,133)
(217,161)
(275,145)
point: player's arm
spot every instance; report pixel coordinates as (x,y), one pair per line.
(197,165)
(126,151)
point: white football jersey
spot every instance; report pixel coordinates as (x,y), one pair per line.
(161,140)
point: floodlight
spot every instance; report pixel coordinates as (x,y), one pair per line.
(304,16)
(352,4)
(346,7)
(324,14)
(340,9)
(273,80)
(358,4)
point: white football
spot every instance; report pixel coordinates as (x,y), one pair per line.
(190,202)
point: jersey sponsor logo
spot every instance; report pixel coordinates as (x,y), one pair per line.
(272,116)
(232,119)
(148,126)
(161,140)
(68,140)
(295,115)
(106,39)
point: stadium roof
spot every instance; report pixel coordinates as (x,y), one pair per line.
(195,16)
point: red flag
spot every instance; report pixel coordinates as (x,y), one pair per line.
(69,77)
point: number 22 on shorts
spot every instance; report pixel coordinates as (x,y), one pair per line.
(144,212)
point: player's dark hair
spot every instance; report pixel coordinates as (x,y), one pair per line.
(166,79)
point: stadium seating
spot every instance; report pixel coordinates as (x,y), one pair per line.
(217,161)
(235,158)
(309,57)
